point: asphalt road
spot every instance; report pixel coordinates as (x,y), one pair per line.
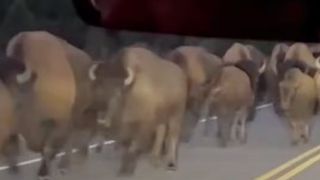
(268,147)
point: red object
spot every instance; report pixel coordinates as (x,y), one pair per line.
(248,19)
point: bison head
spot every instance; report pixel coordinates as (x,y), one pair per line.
(109,78)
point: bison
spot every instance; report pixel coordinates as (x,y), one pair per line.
(47,93)
(298,97)
(230,100)
(152,102)
(200,67)
(284,58)
(253,62)
(277,58)
(9,141)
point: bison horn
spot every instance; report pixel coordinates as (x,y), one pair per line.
(263,67)
(24,77)
(92,71)
(130,77)
(317,62)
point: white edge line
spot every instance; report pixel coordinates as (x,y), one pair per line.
(24,163)
(32,161)
(257,108)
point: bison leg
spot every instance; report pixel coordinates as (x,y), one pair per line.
(252,112)
(100,144)
(11,150)
(188,127)
(86,136)
(295,136)
(224,126)
(47,156)
(171,143)
(158,144)
(207,127)
(64,163)
(101,135)
(55,140)
(306,135)
(88,131)
(129,159)
(242,127)
(234,129)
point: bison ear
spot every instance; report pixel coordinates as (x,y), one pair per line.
(92,71)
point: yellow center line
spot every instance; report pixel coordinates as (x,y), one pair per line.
(300,168)
(288,164)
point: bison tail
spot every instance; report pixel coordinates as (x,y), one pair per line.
(316,107)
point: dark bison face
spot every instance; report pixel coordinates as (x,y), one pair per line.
(108,79)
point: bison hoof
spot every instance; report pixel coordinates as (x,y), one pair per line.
(125,172)
(223,143)
(99,149)
(14,169)
(305,140)
(43,172)
(172,166)
(84,151)
(186,138)
(63,171)
(156,162)
(243,140)
(294,143)
(43,178)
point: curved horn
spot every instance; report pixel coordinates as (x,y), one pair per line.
(317,62)
(130,77)
(92,71)
(24,77)
(263,67)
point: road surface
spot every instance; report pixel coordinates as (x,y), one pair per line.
(268,147)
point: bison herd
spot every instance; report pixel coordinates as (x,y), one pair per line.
(56,97)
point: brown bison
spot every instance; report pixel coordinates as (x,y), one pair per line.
(256,66)
(298,95)
(230,100)
(277,58)
(284,58)
(45,93)
(9,145)
(200,67)
(252,62)
(153,100)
